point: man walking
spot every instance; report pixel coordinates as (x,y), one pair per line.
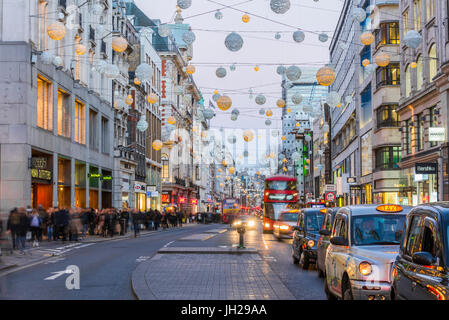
(135,217)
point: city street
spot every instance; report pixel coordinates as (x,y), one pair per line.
(106,268)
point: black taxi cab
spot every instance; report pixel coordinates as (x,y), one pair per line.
(421,270)
(364,243)
(306,235)
(324,240)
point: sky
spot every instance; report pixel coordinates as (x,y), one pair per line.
(259,48)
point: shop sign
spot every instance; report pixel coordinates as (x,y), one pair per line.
(41,174)
(38,163)
(94,175)
(194,201)
(351,180)
(437,134)
(426,168)
(355,188)
(154,194)
(330,188)
(106,178)
(182,200)
(139,188)
(151,188)
(165,198)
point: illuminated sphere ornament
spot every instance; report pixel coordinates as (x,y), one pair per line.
(382,59)
(231,170)
(208,113)
(248,135)
(164,30)
(152,98)
(261,111)
(370,68)
(157,145)
(218,15)
(112,71)
(232,139)
(80,49)
(129,100)
(289,110)
(323,37)
(234,117)
(283,138)
(224,103)
(359,14)
(268,122)
(365,62)
(293,73)
(413,65)
(188,37)
(144,72)
(235,111)
(137,82)
(413,39)
(269,113)
(280,103)
(325,76)
(245,154)
(333,99)
(47,57)
(299,36)
(190,69)
(57,61)
(184,4)
(221,185)
(119,44)
(367,38)
(297,98)
(256,68)
(308,138)
(246,18)
(142,125)
(234,42)
(215,97)
(260,99)
(277,36)
(171,120)
(56,30)
(281,70)
(221,72)
(280,6)
(232,67)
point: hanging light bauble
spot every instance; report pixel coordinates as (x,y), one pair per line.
(190,69)
(142,125)
(231,170)
(215,97)
(323,37)
(413,39)
(112,71)
(234,117)
(256,68)
(277,36)
(268,122)
(367,38)
(245,18)
(261,111)
(137,82)
(218,15)
(235,111)
(47,57)
(293,73)
(359,14)
(325,76)
(119,44)
(56,30)
(208,113)
(232,139)
(365,62)
(144,72)
(280,6)
(370,68)
(184,4)
(57,61)
(260,99)
(171,120)
(289,110)
(297,98)
(269,113)
(234,42)
(413,65)
(80,49)
(281,70)
(382,59)
(152,98)
(333,99)
(280,103)
(164,30)
(248,135)
(326,128)
(299,36)
(157,145)
(283,138)
(129,100)
(232,67)
(221,72)
(224,103)
(308,138)
(188,37)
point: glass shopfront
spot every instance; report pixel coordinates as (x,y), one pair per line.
(64,180)
(94,180)
(421,188)
(41,179)
(106,189)
(80,184)
(367,193)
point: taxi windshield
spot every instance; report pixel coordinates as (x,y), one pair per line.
(377,229)
(288,216)
(314,221)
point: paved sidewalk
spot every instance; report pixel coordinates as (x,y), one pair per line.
(191,276)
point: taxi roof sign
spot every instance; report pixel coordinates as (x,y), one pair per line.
(323,210)
(389,208)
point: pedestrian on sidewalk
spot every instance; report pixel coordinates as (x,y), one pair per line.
(51,224)
(35,227)
(180,218)
(164,221)
(91,218)
(124,218)
(12,226)
(44,216)
(18,224)
(157,219)
(135,216)
(61,223)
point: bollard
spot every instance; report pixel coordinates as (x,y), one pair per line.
(241,230)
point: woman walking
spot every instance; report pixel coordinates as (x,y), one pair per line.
(35,227)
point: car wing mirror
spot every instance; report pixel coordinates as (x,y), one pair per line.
(325,232)
(424,258)
(339,241)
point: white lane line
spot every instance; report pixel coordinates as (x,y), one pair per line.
(142,258)
(166,245)
(57,274)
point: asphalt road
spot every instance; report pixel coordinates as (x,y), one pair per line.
(106,267)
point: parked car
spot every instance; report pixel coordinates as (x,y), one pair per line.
(306,235)
(364,243)
(421,270)
(283,226)
(324,240)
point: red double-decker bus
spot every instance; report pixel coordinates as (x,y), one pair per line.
(280,194)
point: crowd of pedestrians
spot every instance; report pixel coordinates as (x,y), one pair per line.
(72,224)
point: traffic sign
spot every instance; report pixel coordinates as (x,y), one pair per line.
(330,188)
(330,196)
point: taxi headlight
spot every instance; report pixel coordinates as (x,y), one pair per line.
(237,223)
(251,223)
(267,225)
(310,243)
(365,268)
(284,227)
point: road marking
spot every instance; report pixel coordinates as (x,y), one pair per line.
(57,274)
(56,260)
(269,258)
(142,258)
(166,245)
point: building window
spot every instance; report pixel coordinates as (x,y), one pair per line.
(388,76)
(408,136)
(432,62)
(418,14)
(366,107)
(93,130)
(387,116)
(63,114)
(165,168)
(408,81)
(80,122)
(433,123)
(388,33)
(42,24)
(44,104)
(197,172)
(430,9)
(405,22)
(387,158)
(366,154)
(419,74)
(420,131)
(104,135)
